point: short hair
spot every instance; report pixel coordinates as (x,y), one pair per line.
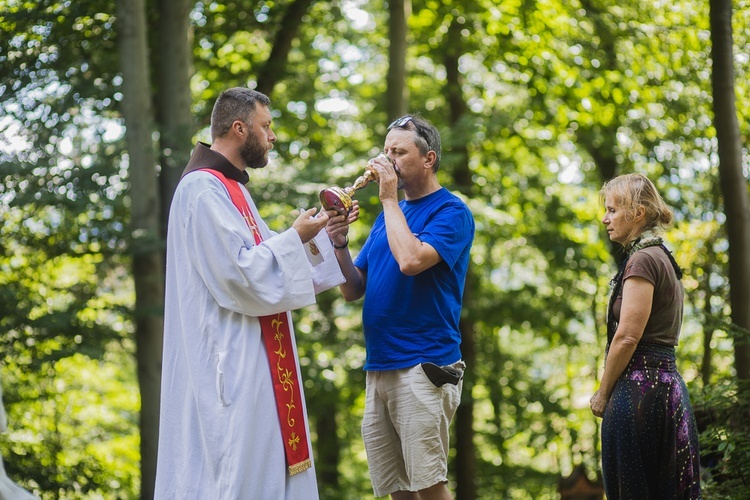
(630,191)
(237,103)
(426,136)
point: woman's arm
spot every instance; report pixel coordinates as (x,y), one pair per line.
(637,299)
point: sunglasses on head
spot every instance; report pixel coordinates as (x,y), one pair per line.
(403,121)
(400,122)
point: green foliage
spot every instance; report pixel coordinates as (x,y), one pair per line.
(69,386)
(722,416)
(73,432)
(560,96)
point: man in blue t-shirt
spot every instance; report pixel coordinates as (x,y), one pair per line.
(411,271)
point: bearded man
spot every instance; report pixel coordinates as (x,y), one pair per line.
(233,420)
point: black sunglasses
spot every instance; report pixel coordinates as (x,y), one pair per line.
(403,121)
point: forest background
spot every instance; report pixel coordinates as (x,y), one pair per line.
(538,101)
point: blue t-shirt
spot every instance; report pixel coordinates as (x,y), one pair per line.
(413,319)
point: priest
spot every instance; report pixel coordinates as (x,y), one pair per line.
(233,419)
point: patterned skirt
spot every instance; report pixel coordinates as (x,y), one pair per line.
(649,435)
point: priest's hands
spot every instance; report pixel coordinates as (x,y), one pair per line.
(308,225)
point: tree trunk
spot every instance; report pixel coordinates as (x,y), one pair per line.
(397,94)
(328,443)
(459,138)
(327,407)
(466,458)
(733,184)
(708,335)
(173,99)
(600,140)
(146,243)
(275,67)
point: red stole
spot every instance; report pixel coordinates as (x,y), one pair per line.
(278,341)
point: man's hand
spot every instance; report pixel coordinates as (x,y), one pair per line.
(308,226)
(338,224)
(387,179)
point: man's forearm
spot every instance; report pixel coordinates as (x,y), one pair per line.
(354,286)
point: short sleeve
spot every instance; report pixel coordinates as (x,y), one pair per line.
(449,231)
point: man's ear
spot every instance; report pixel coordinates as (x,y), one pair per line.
(430,159)
(239,128)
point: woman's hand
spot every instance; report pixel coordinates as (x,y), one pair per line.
(598,404)
(637,298)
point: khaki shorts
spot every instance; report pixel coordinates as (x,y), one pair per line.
(405,429)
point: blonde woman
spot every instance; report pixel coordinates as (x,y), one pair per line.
(649,435)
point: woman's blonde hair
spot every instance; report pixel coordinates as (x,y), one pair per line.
(629,192)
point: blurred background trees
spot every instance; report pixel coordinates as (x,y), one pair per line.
(538,103)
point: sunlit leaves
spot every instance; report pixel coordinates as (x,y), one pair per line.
(553,90)
(80,422)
